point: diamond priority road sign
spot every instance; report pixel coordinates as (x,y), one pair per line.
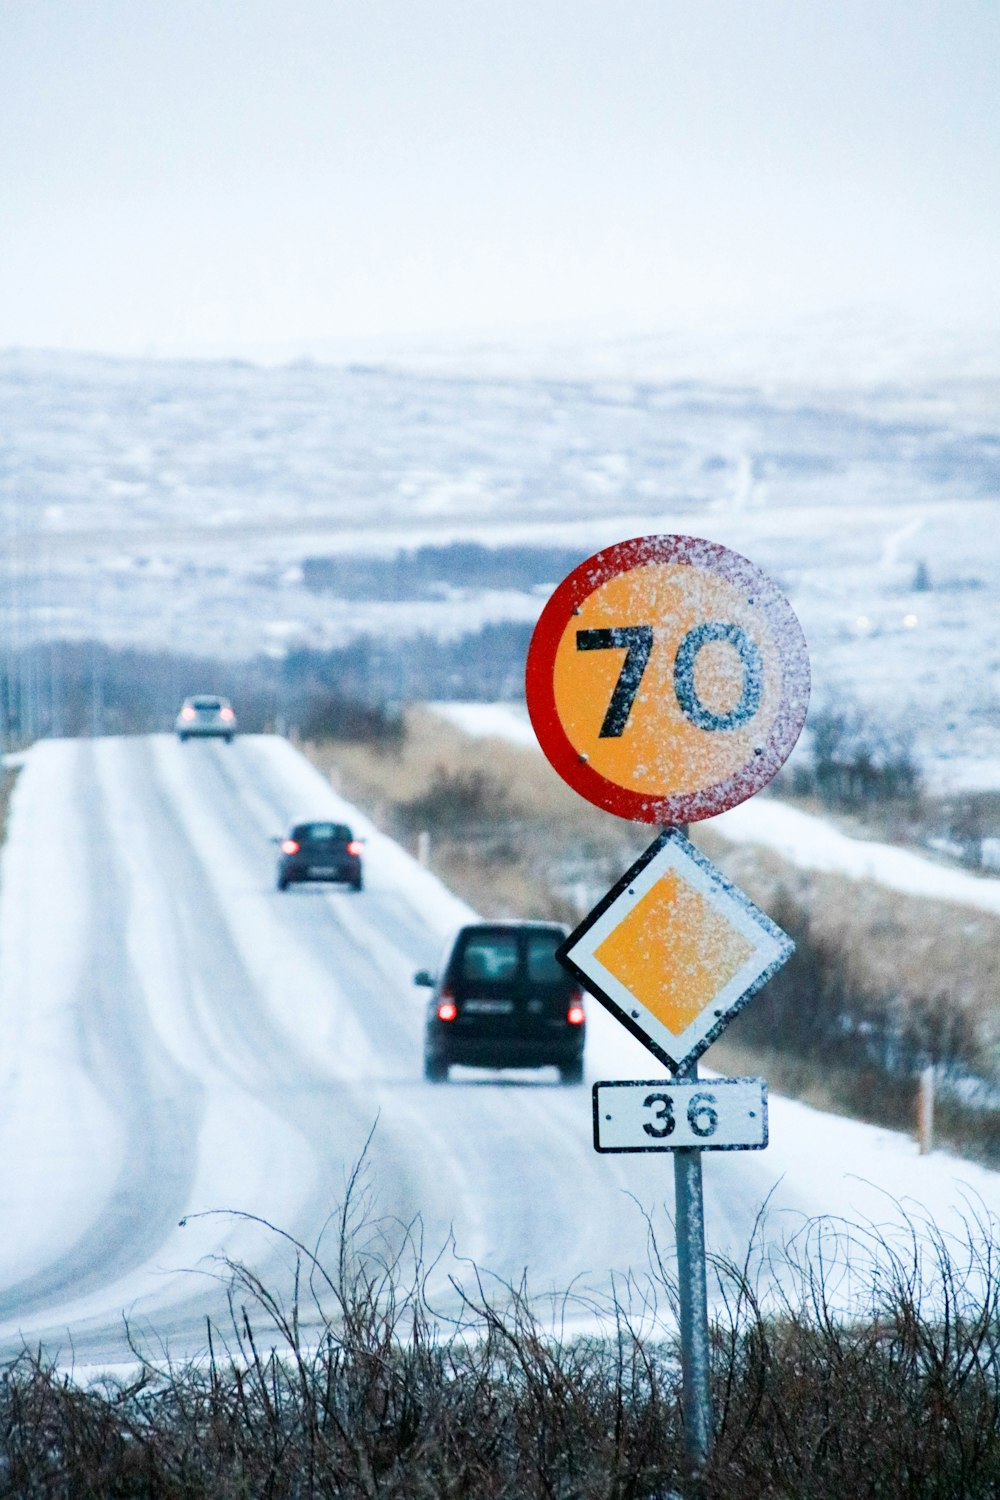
(667,679)
(674,950)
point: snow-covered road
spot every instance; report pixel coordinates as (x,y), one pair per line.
(178,1037)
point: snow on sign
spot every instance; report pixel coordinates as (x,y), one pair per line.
(667,679)
(716,1114)
(674,950)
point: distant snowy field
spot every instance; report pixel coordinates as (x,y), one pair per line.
(173,503)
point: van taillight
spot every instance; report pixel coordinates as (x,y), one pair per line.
(354,847)
(227,714)
(575,1015)
(289,846)
(447,1009)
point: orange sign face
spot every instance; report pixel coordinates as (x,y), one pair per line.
(675,950)
(667,679)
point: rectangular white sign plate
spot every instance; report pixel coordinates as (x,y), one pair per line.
(706,1114)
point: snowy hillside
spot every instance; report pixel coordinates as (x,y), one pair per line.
(176,503)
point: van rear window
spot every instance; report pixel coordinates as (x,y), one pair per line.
(543,967)
(490,957)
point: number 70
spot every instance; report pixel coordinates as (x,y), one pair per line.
(637,643)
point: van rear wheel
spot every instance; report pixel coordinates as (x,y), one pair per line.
(435,1068)
(571,1072)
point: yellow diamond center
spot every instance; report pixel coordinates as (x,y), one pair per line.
(674,952)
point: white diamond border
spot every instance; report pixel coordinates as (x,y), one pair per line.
(771,947)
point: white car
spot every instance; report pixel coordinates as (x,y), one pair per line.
(204,716)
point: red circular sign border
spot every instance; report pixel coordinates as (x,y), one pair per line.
(685,807)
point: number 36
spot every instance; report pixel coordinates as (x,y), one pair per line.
(702,1117)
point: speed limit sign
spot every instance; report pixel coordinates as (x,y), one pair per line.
(667,679)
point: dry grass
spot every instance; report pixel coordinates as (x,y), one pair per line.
(433,745)
(526,845)
(892,944)
(522,843)
(8,780)
(845,1362)
(918,950)
(834,1089)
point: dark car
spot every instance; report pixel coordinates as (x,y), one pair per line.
(320,851)
(503,1001)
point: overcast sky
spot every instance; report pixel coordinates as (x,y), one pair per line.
(186,174)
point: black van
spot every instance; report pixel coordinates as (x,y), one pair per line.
(503,1001)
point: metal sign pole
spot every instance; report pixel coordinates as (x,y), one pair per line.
(692,1289)
(692,1286)
(673,968)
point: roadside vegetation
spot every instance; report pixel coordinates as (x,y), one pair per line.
(8,780)
(504,832)
(864,771)
(56,688)
(870,1367)
(881,986)
(848,1361)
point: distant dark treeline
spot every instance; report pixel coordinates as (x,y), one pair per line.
(356,691)
(485,665)
(428,572)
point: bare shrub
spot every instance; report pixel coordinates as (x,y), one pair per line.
(858,761)
(847,1360)
(820,1007)
(881,983)
(455,799)
(875,1370)
(329,715)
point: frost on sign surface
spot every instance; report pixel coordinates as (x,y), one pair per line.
(667,679)
(675,950)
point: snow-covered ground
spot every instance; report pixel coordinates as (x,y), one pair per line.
(180,1038)
(174,503)
(805,840)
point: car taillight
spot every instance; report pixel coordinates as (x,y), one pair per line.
(187,713)
(575,1015)
(289,846)
(354,847)
(227,714)
(447,1010)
